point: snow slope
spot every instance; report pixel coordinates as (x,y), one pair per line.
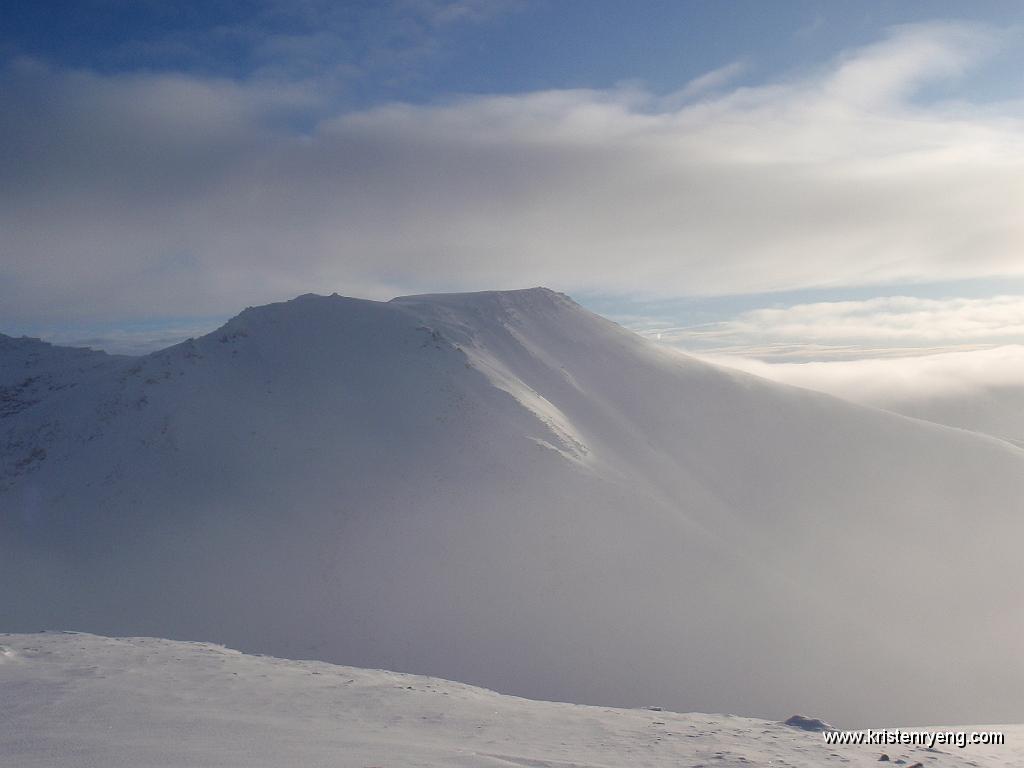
(81,701)
(504,489)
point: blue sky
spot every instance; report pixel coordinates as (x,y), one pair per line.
(713,172)
(423,51)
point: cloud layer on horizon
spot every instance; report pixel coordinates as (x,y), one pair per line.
(852,329)
(130,196)
(981,390)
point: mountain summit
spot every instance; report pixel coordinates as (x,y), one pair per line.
(505,489)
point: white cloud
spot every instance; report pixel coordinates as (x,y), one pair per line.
(884,319)
(980,390)
(883,73)
(888,380)
(888,326)
(136,196)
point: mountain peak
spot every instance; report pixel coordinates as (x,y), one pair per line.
(522,298)
(315,314)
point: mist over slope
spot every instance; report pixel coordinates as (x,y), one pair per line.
(505,489)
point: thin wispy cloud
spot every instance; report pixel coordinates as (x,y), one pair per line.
(710,81)
(140,195)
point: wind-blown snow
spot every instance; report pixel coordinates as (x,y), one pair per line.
(79,701)
(504,489)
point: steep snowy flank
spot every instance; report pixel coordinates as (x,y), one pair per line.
(32,371)
(504,489)
(82,700)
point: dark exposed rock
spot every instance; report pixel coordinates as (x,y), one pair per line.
(808,723)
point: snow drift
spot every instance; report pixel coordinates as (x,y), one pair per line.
(130,702)
(504,489)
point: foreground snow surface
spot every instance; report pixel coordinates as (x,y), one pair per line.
(82,700)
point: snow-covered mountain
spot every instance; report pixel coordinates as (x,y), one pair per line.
(504,489)
(125,703)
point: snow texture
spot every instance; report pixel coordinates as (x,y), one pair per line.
(82,701)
